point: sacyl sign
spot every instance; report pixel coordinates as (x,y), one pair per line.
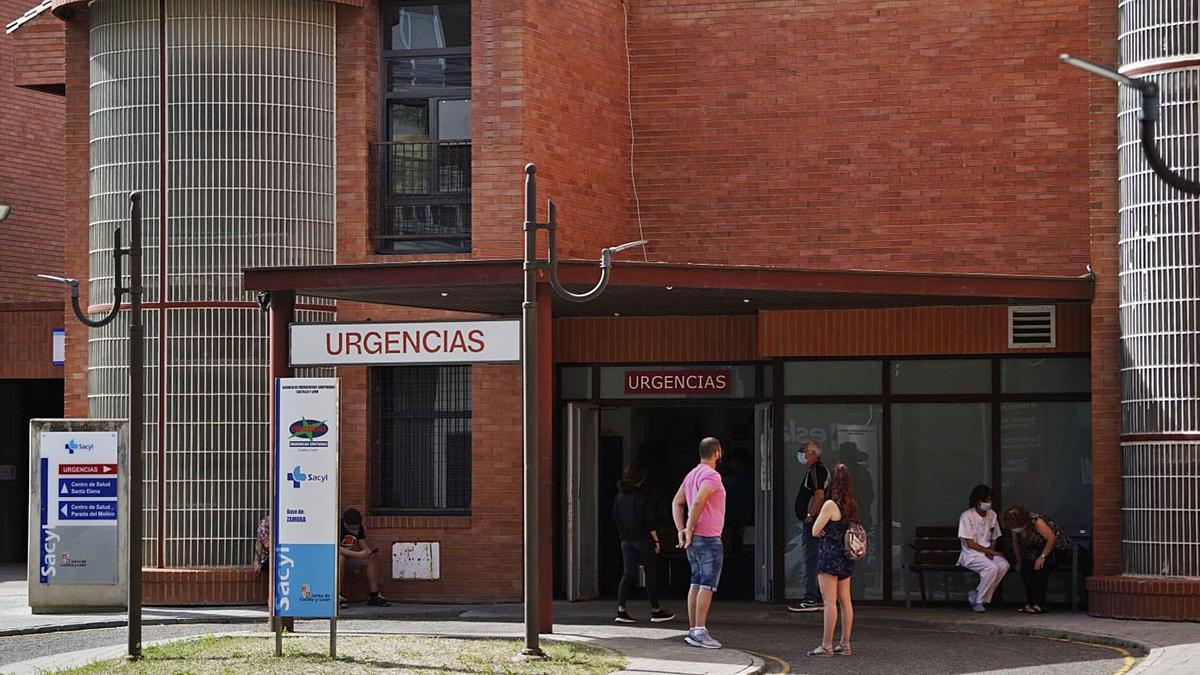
(306,497)
(349,344)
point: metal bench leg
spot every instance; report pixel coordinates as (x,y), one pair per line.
(1074,578)
(904,572)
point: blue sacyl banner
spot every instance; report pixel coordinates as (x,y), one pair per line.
(103,486)
(305,575)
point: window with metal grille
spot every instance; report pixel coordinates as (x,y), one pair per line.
(421,426)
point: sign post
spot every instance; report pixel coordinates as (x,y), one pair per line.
(305,514)
(79,491)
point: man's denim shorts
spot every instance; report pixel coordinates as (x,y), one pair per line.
(706,555)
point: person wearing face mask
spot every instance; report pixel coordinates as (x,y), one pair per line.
(1037,541)
(978,529)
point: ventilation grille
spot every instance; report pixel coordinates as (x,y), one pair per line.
(1031,326)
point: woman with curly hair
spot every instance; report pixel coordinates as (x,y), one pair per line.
(833,566)
(1037,541)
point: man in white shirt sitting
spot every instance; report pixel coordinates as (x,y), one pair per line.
(978,529)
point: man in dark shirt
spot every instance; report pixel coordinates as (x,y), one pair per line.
(808,503)
(634,514)
(357,555)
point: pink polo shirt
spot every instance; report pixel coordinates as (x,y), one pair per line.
(712,518)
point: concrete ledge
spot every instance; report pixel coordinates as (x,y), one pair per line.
(1140,597)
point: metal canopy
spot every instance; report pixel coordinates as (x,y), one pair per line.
(660,289)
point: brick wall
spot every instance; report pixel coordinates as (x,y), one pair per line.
(31,182)
(577,121)
(25,340)
(75,204)
(38,55)
(937,135)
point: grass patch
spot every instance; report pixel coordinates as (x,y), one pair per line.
(397,654)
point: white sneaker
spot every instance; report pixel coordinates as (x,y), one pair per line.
(701,638)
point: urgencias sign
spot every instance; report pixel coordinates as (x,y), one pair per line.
(435,342)
(677,382)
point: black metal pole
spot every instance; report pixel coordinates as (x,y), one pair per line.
(137,411)
(529,391)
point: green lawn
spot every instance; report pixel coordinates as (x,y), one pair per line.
(360,654)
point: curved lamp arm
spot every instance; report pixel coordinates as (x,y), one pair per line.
(118,291)
(1149,118)
(605,267)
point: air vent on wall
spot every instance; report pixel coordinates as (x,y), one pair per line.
(1031,326)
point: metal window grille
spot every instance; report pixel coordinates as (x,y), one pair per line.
(421,424)
(1160,295)
(251,183)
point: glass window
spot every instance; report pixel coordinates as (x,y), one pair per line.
(1061,375)
(940,451)
(576,382)
(942,376)
(1046,455)
(849,434)
(805,378)
(454,119)
(422,437)
(431,71)
(446,24)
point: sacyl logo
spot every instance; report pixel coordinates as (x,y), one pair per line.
(73,446)
(284,565)
(297,477)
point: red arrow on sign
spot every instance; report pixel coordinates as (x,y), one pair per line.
(76,469)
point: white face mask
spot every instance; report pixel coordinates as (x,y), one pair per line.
(1018,530)
(985,506)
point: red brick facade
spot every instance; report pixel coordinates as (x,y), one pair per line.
(935,136)
(31,148)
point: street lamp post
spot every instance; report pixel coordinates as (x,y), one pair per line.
(136,397)
(529,382)
(1148,119)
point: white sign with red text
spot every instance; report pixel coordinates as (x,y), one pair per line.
(374,344)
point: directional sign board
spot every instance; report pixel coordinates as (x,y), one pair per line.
(306,503)
(78,507)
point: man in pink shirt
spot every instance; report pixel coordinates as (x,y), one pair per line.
(702,498)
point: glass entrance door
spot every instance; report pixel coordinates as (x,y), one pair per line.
(582,497)
(764,503)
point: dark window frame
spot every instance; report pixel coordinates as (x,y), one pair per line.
(455,468)
(386,241)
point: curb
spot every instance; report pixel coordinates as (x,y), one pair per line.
(87,656)
(121,623)
(1139,649)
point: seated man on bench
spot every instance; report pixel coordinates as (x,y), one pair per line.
(978,529)
(357,555)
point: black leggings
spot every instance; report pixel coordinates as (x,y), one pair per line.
(634,553)
(1036,580)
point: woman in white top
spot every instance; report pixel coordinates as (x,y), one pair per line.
(978,529)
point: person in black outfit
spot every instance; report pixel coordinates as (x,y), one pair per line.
(809,499)
(633,512)
(357,555)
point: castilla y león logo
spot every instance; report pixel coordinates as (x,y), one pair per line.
(309,429)
(297,476)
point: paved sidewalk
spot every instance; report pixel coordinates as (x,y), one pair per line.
(1168,648)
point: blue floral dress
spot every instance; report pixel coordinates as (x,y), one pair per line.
(831,551)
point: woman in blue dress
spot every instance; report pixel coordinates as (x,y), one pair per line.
(833,566)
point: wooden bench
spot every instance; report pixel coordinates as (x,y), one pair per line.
(936,549)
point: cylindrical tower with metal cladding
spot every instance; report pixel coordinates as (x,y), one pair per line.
(249,177)
(1160,297)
